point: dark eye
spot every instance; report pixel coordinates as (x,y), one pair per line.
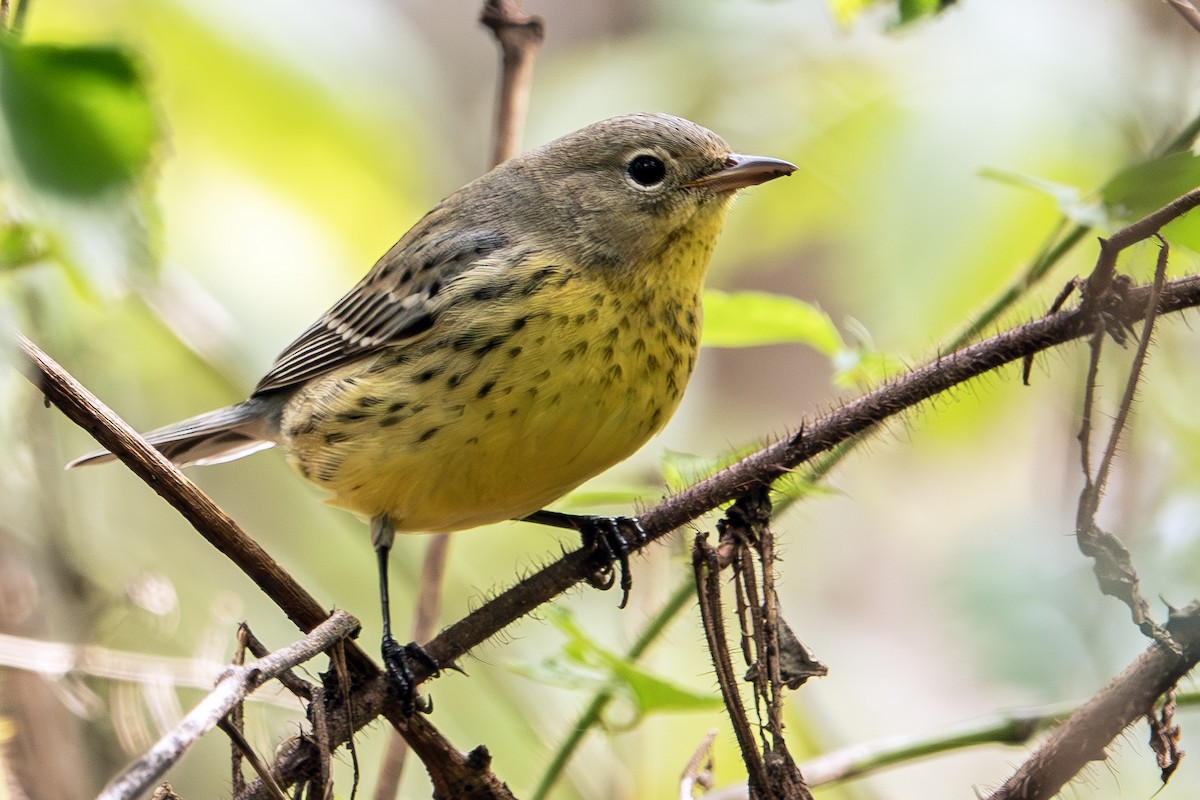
(647,170)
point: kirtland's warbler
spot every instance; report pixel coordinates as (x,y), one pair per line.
(533,329)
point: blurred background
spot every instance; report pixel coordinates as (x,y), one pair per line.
(286,148)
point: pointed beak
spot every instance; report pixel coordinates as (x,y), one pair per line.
(740,171)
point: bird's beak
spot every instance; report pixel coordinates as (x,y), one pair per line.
(740,171)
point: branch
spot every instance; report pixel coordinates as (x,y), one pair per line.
(519,37)
(1188,11)
(1126,699)
(230,690)
(82,408)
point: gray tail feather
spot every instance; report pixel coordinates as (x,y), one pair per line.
(221,435)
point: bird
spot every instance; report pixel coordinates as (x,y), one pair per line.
(534,328)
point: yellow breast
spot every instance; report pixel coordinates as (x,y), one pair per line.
(503,409)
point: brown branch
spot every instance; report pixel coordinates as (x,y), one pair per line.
(1188,11)
(708,592)
(1125,700)
(82,408)
(232,729)
(519,37)
(1112,563)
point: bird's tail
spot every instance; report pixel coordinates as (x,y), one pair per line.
(221,435)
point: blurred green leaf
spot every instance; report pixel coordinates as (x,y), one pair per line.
(912,10)
(1068,198)
(582,656)
(79,118)
(1142,188)
(21,245)
(608,495)
(749,319)
(681,469)
(863,368)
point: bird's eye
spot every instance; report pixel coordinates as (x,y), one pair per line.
(647,170)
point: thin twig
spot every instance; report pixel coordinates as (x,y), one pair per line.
(698,771)
(519,36)
(1112,563)
(236,684)
(320,724)
(238,740)
(1188,11)
(708,591)
(294,683)
(56,659)
(237,720)
(1135,370)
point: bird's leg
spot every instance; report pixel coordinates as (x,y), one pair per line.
(611,539)
(397,659)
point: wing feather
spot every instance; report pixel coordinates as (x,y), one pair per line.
(398,300)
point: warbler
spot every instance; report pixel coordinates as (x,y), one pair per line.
(533,329)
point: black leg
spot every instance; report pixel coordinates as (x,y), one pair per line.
(611,539)
(397,659)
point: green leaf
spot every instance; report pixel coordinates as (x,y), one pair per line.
(648,693)
(1068,198)
(609,495)
(21,245)
(749,319)
(681,469)
(651,693)
(1142,188)
(912,10)
(863,368)
(79,118)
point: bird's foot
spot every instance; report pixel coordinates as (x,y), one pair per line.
(610,541)
(398,661)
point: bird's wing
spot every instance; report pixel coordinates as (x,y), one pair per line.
(396,301)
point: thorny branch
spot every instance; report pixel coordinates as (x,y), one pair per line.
(745,531)
(1113,565)
(519,36)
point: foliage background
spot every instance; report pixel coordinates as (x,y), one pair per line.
(937,579)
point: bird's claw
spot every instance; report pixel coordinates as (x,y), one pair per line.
(610,541)
(397,664)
